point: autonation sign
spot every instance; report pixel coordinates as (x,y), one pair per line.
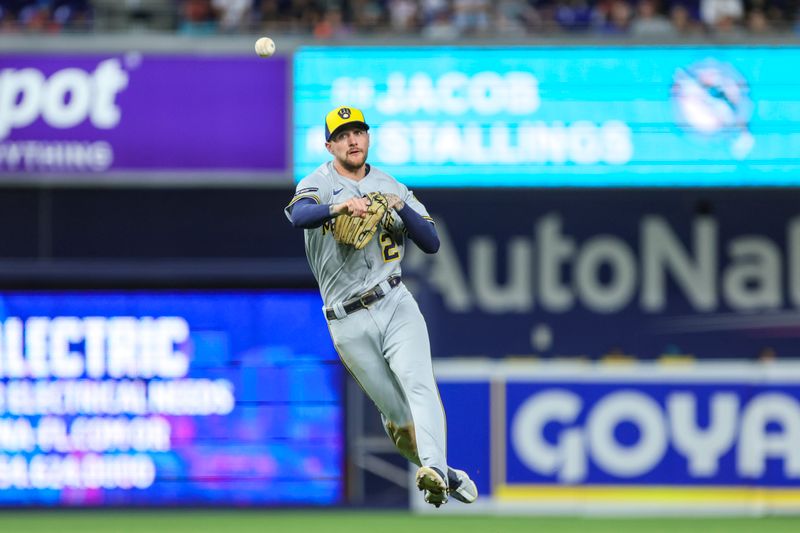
(563,116)
(714,436)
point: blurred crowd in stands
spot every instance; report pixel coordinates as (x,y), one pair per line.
(429,19)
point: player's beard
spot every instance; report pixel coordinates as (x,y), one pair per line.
(355,162)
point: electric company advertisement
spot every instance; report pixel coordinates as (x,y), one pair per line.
(566,116)
(161,117)
(168,398)
(596,273)
(591,438)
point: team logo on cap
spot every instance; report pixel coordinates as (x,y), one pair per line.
(344,113)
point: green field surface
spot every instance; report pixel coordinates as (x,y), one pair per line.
(364,522)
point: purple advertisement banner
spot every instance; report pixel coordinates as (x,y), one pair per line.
(180,117)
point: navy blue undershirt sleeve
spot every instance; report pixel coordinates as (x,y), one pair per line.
(306,213)
(421,231)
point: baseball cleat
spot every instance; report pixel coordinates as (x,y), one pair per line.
(460,486)
(431,481)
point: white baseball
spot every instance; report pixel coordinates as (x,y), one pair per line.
(265,47)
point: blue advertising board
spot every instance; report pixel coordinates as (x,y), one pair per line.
(559,437)
(112,398)
(566,116)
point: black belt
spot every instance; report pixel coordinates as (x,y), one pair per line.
(363,300)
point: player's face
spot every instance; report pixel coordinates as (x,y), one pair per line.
(349,147)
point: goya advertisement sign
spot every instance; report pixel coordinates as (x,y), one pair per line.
(714,437)
(156,117)
(151,399)
(567,116)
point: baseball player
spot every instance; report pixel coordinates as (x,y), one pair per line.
(357,221)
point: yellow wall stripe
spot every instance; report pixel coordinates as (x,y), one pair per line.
(650,494)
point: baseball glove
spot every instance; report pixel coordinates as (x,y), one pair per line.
(358,231)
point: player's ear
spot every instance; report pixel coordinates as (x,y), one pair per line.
(328,147)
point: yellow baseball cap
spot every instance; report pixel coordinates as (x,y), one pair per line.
(342,116)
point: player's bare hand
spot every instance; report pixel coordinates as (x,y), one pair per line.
(394,201)
(356,207)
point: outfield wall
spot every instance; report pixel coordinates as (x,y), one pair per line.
(572,438)
(612,245)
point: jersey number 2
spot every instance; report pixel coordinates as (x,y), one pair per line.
(389,247)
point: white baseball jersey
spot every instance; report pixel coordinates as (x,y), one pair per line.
(342,271)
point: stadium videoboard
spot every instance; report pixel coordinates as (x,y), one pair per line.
(565,116)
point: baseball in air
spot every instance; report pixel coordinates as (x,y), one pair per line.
(265,47)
